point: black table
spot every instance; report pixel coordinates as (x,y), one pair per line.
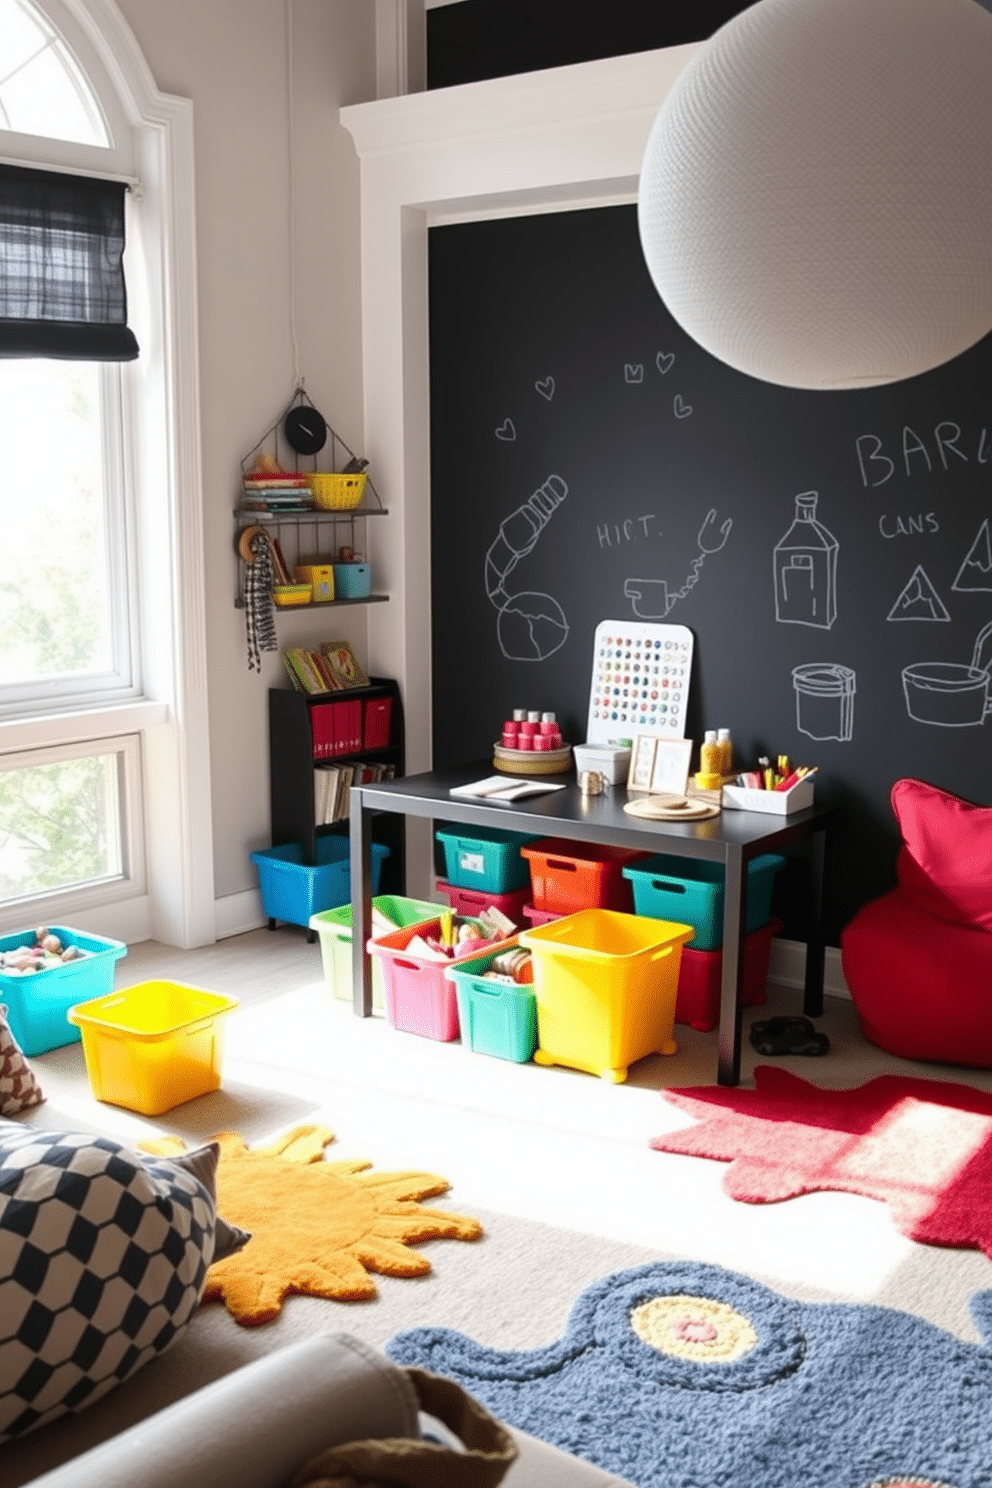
(733,838)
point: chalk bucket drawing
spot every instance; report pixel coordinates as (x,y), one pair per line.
(650,599)
(824,700)
(951,694)
(531,627)
(805,568)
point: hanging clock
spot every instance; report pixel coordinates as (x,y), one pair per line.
(305,429)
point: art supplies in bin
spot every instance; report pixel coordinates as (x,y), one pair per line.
(605,985)
(418,997)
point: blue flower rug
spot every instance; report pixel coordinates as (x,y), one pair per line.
(679,1374)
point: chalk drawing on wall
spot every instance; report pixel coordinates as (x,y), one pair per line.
(506,431)
(680,408)
(918,599)
(975,572)
(665,361)
(546,387)
(825,700)
(805,569)
(633,372)
(951,694)
(650,598)
(530,626)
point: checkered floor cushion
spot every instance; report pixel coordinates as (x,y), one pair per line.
(18,1087)
(103,1258)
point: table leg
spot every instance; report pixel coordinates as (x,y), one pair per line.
(361,904)
(815,945)
(732,971)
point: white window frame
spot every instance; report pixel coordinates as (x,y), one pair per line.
(68,902)
(170,716)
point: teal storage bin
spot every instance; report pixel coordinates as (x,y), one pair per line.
(37,1002)
(293,890)
(334,927)
(352,581)
(690,890)
(494,1017)
(486,858)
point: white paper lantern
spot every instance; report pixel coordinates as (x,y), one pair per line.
(815,201)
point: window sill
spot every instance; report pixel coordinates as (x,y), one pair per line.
(45,729)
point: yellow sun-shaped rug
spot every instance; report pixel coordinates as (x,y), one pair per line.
(317,1227)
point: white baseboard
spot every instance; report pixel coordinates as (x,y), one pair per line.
(787,967)
(236,914)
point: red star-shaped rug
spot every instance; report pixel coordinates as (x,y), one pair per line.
(922,1146)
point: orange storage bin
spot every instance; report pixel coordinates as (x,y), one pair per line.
(568,876)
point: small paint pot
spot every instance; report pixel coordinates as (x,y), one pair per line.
(592,782)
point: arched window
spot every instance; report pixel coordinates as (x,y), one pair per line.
(100,505)
(43,91)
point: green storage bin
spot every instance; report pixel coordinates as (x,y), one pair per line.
(494,1017)
(333,926)
(667,887)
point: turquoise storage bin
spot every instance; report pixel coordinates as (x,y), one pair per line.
(38,1002)
(494,1017)
(334,928)
(690,890)
(352,581)
(293,890)
(486,858)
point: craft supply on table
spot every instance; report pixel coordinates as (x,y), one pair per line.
(640,680)
(531,744)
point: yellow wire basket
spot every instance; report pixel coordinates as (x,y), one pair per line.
(333,492)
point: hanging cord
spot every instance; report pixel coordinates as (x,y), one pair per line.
(297,379)
(259,620)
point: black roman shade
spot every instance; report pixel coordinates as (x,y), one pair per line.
(62,291)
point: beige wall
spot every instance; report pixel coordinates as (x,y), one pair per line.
(229,58)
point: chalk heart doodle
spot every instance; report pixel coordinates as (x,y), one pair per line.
(680,407)
(665,361)
(506,431)
(546,387)
(633,372)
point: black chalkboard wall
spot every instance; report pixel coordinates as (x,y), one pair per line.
(552,357)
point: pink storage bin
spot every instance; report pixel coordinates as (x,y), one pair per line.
(419,999)
(539,916)
(697,1001)
(473,901)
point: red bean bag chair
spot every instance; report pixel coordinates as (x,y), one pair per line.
(918,960)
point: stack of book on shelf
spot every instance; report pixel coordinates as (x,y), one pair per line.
(332,787)
(332,668)
(276,491)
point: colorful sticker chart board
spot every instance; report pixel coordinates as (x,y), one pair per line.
(640,680)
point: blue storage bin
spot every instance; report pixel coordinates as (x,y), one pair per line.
(690,890)
(293,890)
(37,1002)
(352,581)
(494,1017)
(486,858)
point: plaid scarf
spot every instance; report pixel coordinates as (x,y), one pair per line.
(259,619)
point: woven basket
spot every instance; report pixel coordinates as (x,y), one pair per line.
(336,492)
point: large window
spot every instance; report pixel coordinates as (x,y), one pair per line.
(70,814)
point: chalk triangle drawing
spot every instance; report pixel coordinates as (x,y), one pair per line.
(975,572)
(919,600)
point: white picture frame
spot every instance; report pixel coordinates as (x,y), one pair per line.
(659,766)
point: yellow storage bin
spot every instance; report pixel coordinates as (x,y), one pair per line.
(154,1045)
(320,577)
(606,985)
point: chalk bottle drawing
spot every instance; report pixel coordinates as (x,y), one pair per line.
(805,562)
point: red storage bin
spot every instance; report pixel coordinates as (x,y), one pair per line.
(697,1001)
(474,901)
(419,998)
(568,876)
